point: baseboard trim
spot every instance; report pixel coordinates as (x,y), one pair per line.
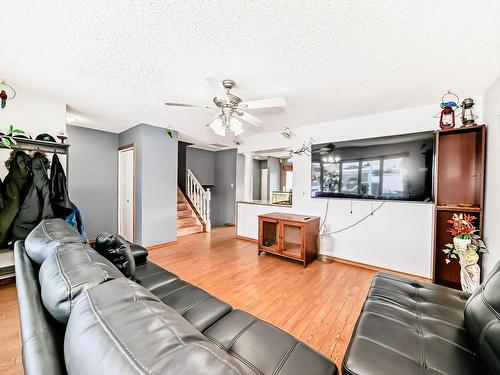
(381,269)
(160,245)
(229,225)
(359,264)
(246,238)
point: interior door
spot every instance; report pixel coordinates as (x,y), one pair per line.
(126,193)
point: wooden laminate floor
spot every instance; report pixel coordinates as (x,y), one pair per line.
(318,304)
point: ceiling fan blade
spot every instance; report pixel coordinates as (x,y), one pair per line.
(264,103)
(251,119)
(189,105)
(216,87)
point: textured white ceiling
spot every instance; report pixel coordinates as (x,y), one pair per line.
(115,62)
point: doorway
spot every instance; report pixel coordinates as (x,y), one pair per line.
(126,192)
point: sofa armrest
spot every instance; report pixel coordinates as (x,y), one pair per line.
(139,252)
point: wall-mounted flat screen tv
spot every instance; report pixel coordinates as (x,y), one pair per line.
(387,168)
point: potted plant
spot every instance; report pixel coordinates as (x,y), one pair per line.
(8,138)
(466,246)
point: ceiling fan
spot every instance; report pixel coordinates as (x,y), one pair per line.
(232,110)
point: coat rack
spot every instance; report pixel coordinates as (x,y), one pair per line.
(25,144)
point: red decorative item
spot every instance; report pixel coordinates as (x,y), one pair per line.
(447,119)
(447,114)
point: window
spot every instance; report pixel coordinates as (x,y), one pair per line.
(370,177)
(331,177)
(393,185)
(350,178)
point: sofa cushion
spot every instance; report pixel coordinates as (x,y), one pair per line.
(411,327)
(152,276)
(120,328)
(117,250)
(262,348)
(47,235)
(68,271)
(482,316)
(193,303)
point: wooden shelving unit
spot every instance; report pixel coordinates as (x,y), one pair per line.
(289,236)
(460,166)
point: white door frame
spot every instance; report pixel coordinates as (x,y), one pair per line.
(122,149)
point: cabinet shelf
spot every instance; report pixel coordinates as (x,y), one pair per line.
(458,208)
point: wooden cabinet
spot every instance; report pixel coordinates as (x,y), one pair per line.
(460,166)
(290,236)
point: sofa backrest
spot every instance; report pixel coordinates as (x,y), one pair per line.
(482,317)
(47,235)
(67,272)
(119,327)
(41,336)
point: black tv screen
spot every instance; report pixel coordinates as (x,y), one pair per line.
(388,168)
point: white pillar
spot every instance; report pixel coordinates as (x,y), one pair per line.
(248,177)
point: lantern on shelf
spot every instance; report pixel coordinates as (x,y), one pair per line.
(447,114)
(468,117)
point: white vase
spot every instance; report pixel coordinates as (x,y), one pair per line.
(470,271)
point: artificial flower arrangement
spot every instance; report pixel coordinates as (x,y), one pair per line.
(466,242)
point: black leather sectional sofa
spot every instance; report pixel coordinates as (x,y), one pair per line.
(110,311)
(408,327)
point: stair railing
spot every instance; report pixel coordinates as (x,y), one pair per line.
(199,197)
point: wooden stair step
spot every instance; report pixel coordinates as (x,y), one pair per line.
(187,221)
(184,214)
(182,206)
(189,230)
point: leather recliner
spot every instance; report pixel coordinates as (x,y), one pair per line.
(155,324)
(410,327)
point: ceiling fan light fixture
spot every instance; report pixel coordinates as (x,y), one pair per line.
(218,127)
(238,131)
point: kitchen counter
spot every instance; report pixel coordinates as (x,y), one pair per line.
(266,203)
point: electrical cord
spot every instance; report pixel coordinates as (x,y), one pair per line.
(349,226)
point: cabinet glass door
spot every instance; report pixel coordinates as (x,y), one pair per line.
(292,239)
(269,231)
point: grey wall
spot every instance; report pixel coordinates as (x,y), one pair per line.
(240,176)
(202,164)
(224,190)
(181,165)
(156,183)
(93,178)
(273,167)
(218,170)
(256,179)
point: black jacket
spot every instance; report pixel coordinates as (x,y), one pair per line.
(13,191)
(36,204)
(59,197)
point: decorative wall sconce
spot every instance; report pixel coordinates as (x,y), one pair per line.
(7,92)
(286,133)
(236,141)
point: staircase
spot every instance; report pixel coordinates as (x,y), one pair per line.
(187,220)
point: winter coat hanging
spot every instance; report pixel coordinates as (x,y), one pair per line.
(36,204)
(13,191)
(59,197)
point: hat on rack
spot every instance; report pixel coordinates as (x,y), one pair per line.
(45,137)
